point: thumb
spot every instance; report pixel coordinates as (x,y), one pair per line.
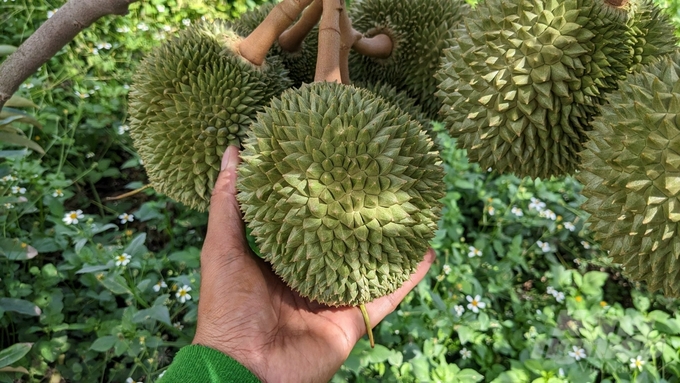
(225,214)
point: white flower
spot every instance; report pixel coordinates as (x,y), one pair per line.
(167,28)
(560,372)
(440,277)
(8,205)
(142,27)
(183,294)
(51,13)
(161,374)
(569,226)
(178,325)
(8,178)
(585,245)
(124,29)
(160,8)
(459,309)
(637,363)
(474,252)
(126,86)
(446,269)
(130,380)
(549,214)
(517,211)
(27,85)
(125,218)
(536,204)
(559,296)
(545,246)
(73,217)
(465,353)
(186,22)
(491,210)
(123,128)
(18,190)
(160,285)
(123,259)
(578,353)
(57,193)
(82,95)
(475,303)
(89,155)
(551,290)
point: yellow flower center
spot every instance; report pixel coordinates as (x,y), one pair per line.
(73,215)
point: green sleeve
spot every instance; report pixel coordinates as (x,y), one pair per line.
(200,364)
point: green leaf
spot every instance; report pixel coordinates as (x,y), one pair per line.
(593,282)
(190,257)
(469,375)
(25,117)
(19,306)
(16,250)
(116,284)
(15,139)
(13,353)
(136,246)
(92,268)
(6,50)
(466,334)
(104,343)
(378,354)
(159,313)
(20,102)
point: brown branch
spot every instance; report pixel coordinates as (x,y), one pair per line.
(328,56)
(55,33)
(379,46)
(291,39)
(348,37)
(254,48)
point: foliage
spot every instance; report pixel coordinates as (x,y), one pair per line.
(94,289)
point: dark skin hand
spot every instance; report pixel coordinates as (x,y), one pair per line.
(248,313)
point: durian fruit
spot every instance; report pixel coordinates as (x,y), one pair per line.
(653,33)
(523,80)
(420,30)
(301,65)
(631,176)
(399,99)
(191,98)
(341,191)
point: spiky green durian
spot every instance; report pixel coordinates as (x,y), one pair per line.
(341,190)
(420,30)
(653,33)
(191,98)
(524,79)
(301,65)
(631,176)
(399,99)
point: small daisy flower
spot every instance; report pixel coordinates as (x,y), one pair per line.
(183,294)
(459,309)
(160,285)
(475,303)
(491,210)
(167,28)
(465,353)
(446,269)
(604,304)
(545,246)
(18,190)
(89,155)
(57,193)
(72,217)
(440,277)
(51,13)
(123,259)
(536,204)
(569,226)
(161,374)
(125,218)
(178,325)
(474,252)
(517,211)
(124,29)
(549,214)
(559,296)
(8,205)
(585,245)
(82,95)
(637,363)
(186,22)
(122,129)
(551,290)
(27,85)
(130,380)
(142,27)
(560,372)
(160,8)
(578,353)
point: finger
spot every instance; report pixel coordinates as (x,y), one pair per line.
(381,307)
(224,219)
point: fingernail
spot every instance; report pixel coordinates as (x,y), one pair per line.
(229,156)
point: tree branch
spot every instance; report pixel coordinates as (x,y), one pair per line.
(54,34)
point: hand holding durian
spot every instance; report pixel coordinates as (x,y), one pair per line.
(340,184)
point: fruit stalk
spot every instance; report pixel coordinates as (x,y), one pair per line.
(254,48)
(291,39)
(328,57)
(348,37)
(379,46)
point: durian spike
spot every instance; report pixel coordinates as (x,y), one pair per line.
(328,57)
(367,322)
(291,39)
(254,48)
(128,194)
(348,36)
(379,46)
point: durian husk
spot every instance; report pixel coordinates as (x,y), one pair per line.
(631,176)
(653,34)
(191,98)
(523,81)
(341,190)
(420,30)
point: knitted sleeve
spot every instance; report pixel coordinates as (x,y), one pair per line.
(200,364)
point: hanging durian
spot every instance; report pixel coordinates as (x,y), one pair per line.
(524,79)
(420,30)
(191,98)
(341,191)
(653,33)
(631,176)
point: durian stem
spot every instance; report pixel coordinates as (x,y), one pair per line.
(348,36)
(367,322)
(379,46)
(254,48)
(328,56)
(128,194)
(291,39)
